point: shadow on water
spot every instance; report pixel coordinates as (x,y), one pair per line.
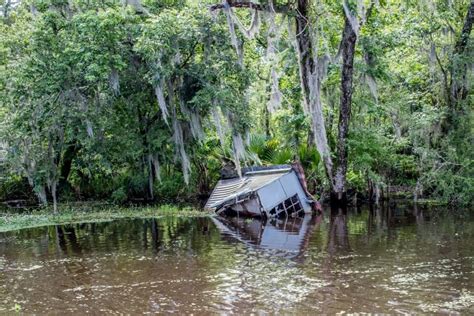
(388,258)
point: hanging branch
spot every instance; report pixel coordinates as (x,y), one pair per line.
(254,25)
(308,61)
(250,5)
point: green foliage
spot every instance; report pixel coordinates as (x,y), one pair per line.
(119,196)
(14,187)
(79,111)
(263,147)
(171,190)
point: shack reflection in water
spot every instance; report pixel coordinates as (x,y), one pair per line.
(290,235)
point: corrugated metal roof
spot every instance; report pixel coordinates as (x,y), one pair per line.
(273,168)
(229,189)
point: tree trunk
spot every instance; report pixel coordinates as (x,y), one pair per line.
(41,194)
(458,70)
(303,40)
(147,157)
(459,65)
(330,120)
(6,8)
(348,43)
(267,122)
(311,85)
(54,195)
(70,153)
(151,174)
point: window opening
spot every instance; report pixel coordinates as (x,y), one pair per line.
(289,207)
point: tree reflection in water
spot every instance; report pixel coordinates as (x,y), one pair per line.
(338,236)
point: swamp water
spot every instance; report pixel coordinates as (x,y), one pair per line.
(392,260)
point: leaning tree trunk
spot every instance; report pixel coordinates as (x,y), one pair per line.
(311,85)
(349,38)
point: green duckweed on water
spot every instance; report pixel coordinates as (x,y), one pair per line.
(68,214)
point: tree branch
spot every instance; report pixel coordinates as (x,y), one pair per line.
(250,5)
(445,75)
(461,44)
(188,58)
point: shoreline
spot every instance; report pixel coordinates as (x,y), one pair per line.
(74,215)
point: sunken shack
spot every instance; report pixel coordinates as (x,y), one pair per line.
(270,192)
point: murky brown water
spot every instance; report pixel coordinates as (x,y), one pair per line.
(381,260)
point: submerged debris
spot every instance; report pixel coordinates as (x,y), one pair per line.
(274,191)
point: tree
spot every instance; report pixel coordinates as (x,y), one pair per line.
(147,101)
(312,69)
